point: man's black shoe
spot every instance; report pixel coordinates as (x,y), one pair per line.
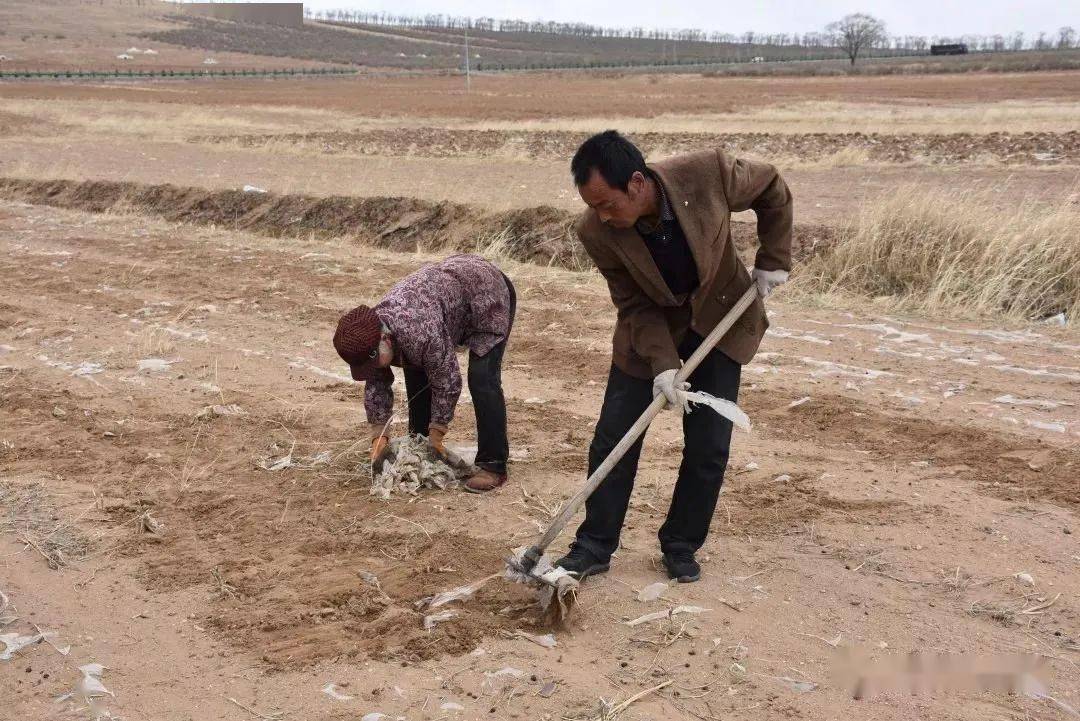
(581,563)
(682,567)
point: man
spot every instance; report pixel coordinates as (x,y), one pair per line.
(660,235)
(461,301)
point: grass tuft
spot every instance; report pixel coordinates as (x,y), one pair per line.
(957,253)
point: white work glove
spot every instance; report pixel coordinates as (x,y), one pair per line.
(665,383)
(768,280)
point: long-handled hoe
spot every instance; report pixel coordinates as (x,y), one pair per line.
(557,589)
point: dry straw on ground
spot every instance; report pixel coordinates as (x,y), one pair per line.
(967,253)
(25,512)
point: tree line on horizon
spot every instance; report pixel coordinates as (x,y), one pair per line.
(1065,38)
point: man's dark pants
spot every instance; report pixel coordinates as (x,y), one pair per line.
(707,441)
(489,404)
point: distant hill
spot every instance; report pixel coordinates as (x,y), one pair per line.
(82,34)
(444,49)
(90,34)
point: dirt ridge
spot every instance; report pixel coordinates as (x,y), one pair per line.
(933,148)
(542,234)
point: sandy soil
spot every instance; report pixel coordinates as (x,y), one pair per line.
(914,491)
(910,484)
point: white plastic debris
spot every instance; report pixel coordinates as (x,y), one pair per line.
(413,465)
(799,402)
(1025,578)
(1046,426)
(154,365)
(910,400)
(723,406)
(665,614)
(559,585)
(1011,400)
(47,637)
(253,189)
(451,706)
(290,461)
(435,619)
(280,464)
(652,592)
(829,368)
(535,401)
(215,411)
(1059,320)
(319,459)
(1038,372)
(751,466)
(546,641)
(460,593)
(90,686)
(86,368)
(796,685)
(793,335)
(331,690)
(13,643)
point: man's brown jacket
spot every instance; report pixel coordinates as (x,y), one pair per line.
(703,189)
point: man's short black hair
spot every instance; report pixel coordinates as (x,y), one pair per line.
(615,157)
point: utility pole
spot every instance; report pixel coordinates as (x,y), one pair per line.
(468,79)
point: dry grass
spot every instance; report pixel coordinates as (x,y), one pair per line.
(965,252)
(832,117)
(169,121)
(161,121)
(153,343)
(1007,62)
(26,513)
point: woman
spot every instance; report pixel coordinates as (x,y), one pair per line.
(461,301)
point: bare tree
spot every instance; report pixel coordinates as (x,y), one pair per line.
(856,32)
(1066,37)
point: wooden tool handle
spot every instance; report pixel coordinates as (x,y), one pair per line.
(574,504)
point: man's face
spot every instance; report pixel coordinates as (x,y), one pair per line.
(616,208)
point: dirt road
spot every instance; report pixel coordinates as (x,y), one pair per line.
(899,473)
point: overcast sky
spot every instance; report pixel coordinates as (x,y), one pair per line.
(902,17)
